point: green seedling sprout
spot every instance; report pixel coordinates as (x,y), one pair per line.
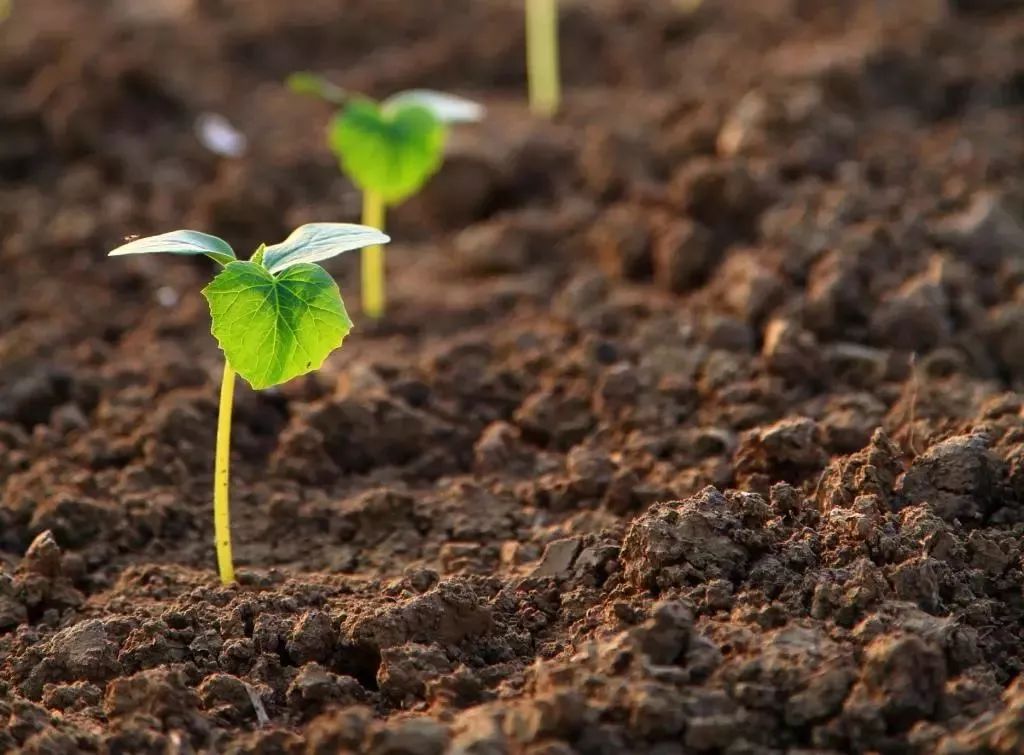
(276,316)
(389,150)
(542,56)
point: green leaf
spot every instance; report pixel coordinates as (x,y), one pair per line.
(179,242)
(319,241)
(390,152)
(275,328)
(447,108)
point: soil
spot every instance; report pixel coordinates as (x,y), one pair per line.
(695,425)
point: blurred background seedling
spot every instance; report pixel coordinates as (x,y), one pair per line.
(542,62)
(389,150)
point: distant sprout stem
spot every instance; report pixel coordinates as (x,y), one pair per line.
(221,478)
(373,257)
(542,56)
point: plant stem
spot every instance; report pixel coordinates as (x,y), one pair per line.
(542,56)
(373,257)
(221,478)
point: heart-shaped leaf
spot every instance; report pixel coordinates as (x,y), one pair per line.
(319,241)
(275,328)
(179,242)
(447,108)
(391,152)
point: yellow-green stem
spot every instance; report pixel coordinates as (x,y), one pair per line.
(221,479)
(373,257)
(542,56)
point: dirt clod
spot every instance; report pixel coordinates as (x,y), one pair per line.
(957,477)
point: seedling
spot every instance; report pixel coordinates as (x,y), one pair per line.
(542,56)
(389,150)
(276,316)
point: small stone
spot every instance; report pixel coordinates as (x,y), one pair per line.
(558,558)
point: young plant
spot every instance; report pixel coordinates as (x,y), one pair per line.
(276,316)
(542,56)
(388,149)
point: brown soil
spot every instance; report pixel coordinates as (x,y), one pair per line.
(692,427)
